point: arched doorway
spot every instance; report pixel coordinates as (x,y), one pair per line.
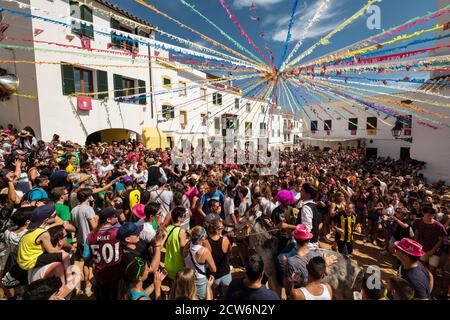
(110,135)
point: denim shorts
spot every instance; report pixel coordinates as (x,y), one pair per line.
(225,280)
(201,283)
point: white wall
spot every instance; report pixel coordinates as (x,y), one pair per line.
(19,111)
(385,143)
(52,112)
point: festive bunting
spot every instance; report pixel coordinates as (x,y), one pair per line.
(384,34)
(242,31)
(322,8)
(325,40)
(289,34)
(237,44)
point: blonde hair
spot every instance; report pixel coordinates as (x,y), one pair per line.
(197,233)
(184,286)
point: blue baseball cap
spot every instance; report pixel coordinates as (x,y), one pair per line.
(129,229)
(40,214)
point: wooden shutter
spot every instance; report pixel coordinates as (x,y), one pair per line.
(142,92)
(118,86)
(86,15)
(115,25)
(102,84)
(68,81)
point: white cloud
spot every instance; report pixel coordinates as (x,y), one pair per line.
(302,17)
(262,3)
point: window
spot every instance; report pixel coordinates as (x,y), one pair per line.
(203,94)
(371,123)
(183,88)
(327,125)
(273,133)
(81,81)
(217,99)
(129,88)
(125,87)
(248,128)
(84,83)
(119,41)
(263,109)
(168,112)
(81,13)
(353,124)
(236,103)
(183,117)
(203,118)
(217,125)
(167,82)
(248,107)
(314,126)
(279,133)
(262,128)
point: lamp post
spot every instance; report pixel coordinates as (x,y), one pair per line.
(397,131)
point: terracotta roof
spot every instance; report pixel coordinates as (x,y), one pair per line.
(437,84)
(125,13)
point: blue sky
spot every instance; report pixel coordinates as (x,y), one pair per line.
(274,16)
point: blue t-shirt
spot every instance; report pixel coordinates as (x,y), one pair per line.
(208,196)
(418,278)
(37,194)
(239,291)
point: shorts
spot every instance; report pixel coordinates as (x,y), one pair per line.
(433,261)
(47,258)
(39,273)
(223,280)
(201,284)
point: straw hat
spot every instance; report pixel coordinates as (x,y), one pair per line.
(24,133)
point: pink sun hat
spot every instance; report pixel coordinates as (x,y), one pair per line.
(410,247)
(138,211)
(301,233)
(285,197)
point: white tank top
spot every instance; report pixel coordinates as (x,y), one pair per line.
(324,296)
(191,262)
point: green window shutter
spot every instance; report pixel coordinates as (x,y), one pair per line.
(115,24)
(86,15)
(118,86)
(68,81)
(102,84)
(142,90)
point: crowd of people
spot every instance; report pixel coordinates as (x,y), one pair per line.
(119,221)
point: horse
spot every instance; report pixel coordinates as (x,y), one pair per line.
(344,276)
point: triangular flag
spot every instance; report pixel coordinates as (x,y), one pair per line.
(37,31)
(70,37)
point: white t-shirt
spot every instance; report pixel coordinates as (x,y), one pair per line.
(12,239)
(148,233)
(228,206)
(104,169)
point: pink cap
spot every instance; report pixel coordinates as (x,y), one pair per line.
(138,211)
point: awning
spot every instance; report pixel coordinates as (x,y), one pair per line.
(152,138)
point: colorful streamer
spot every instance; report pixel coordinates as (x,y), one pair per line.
(237,44)
(384,34)
(289,34)
(322,8)
(242,31)
(325,40)
(206,38)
